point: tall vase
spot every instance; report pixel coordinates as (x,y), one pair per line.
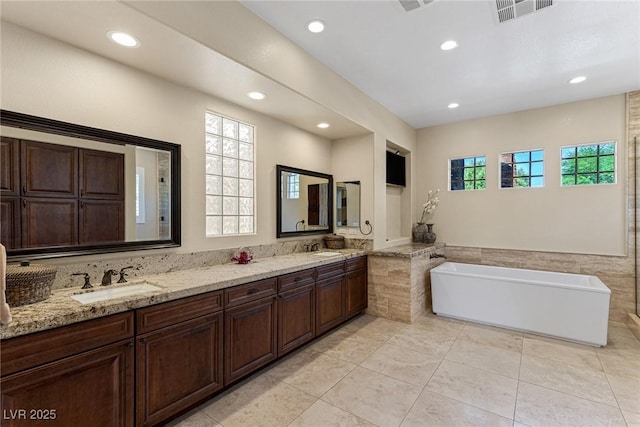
(429,235)
(419,231)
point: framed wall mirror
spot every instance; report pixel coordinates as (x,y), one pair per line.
(304,202)
(67,189)
(348,204)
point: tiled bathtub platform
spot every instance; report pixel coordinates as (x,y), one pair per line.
(399,282)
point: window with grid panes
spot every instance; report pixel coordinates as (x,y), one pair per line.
(589,164)
(229,174)
(468,173)
(522,169)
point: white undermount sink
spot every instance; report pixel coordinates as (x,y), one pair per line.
(114,292)
(326,253)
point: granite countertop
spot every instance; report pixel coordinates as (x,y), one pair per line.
(409,250)
(61,310)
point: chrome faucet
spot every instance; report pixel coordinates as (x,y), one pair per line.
(106,279)
(312,248)
(434,255)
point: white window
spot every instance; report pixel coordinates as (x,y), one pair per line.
(522,169)
(140,207)
(589,164)
(293,186)
(229,157)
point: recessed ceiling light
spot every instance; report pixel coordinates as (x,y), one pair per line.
(323,125)
(316,26)
(256,95)
(123,39)
(578,79)
(453,105)
(449,44)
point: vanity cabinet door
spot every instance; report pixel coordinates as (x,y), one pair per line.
(296,318)
(101,221)
(92,388)
(250,337)
(177,366)
(49,222)
(9,167)
(330,309)
(356,286)
(101,175)
(48,170)
(10,225)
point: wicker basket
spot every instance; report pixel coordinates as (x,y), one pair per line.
(27,284)
(333,241)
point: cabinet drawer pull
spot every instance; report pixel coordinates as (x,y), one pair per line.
(253,291)
(297,279)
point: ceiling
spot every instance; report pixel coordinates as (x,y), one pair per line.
(394,56)
(389,53)
(172,56)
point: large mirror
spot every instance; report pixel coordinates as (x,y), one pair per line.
(304,202)
(348,204)
(67,189)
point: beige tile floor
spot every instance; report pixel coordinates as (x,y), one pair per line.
(436,372)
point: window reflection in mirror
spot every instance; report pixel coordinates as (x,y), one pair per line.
(304,202)
(348,204)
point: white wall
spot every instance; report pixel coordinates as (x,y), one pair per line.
(352,159)
(234,31)
(43,77)
(586,219)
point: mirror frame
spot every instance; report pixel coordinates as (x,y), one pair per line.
(44,125)
(279,232)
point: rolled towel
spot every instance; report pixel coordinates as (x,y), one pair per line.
(5,313)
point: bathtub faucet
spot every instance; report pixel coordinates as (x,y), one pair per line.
(434,255)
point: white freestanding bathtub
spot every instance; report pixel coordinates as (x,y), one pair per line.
(569,306)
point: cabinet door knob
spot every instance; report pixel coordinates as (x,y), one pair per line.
(143,340)
(24,189)
(24,203)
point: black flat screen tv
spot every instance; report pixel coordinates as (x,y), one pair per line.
(396,170)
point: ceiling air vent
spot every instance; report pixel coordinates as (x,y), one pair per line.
(410,5)
(511,9)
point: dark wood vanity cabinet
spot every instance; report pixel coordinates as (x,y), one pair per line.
(49,222)
(183,351)
(250,322)
(296,310)
(10,222)
(330,298)
(9,167)
(356,293)
(76,375)
(178,355)
(63,195)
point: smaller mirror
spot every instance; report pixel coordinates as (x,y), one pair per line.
(348,204)
(304,202)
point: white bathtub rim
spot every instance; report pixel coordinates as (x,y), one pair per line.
(524,331)
(601,287)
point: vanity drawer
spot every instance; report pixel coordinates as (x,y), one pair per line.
(249,292)
(294,280)
(170,313)
(35,349)
(356,263)
(329,270)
